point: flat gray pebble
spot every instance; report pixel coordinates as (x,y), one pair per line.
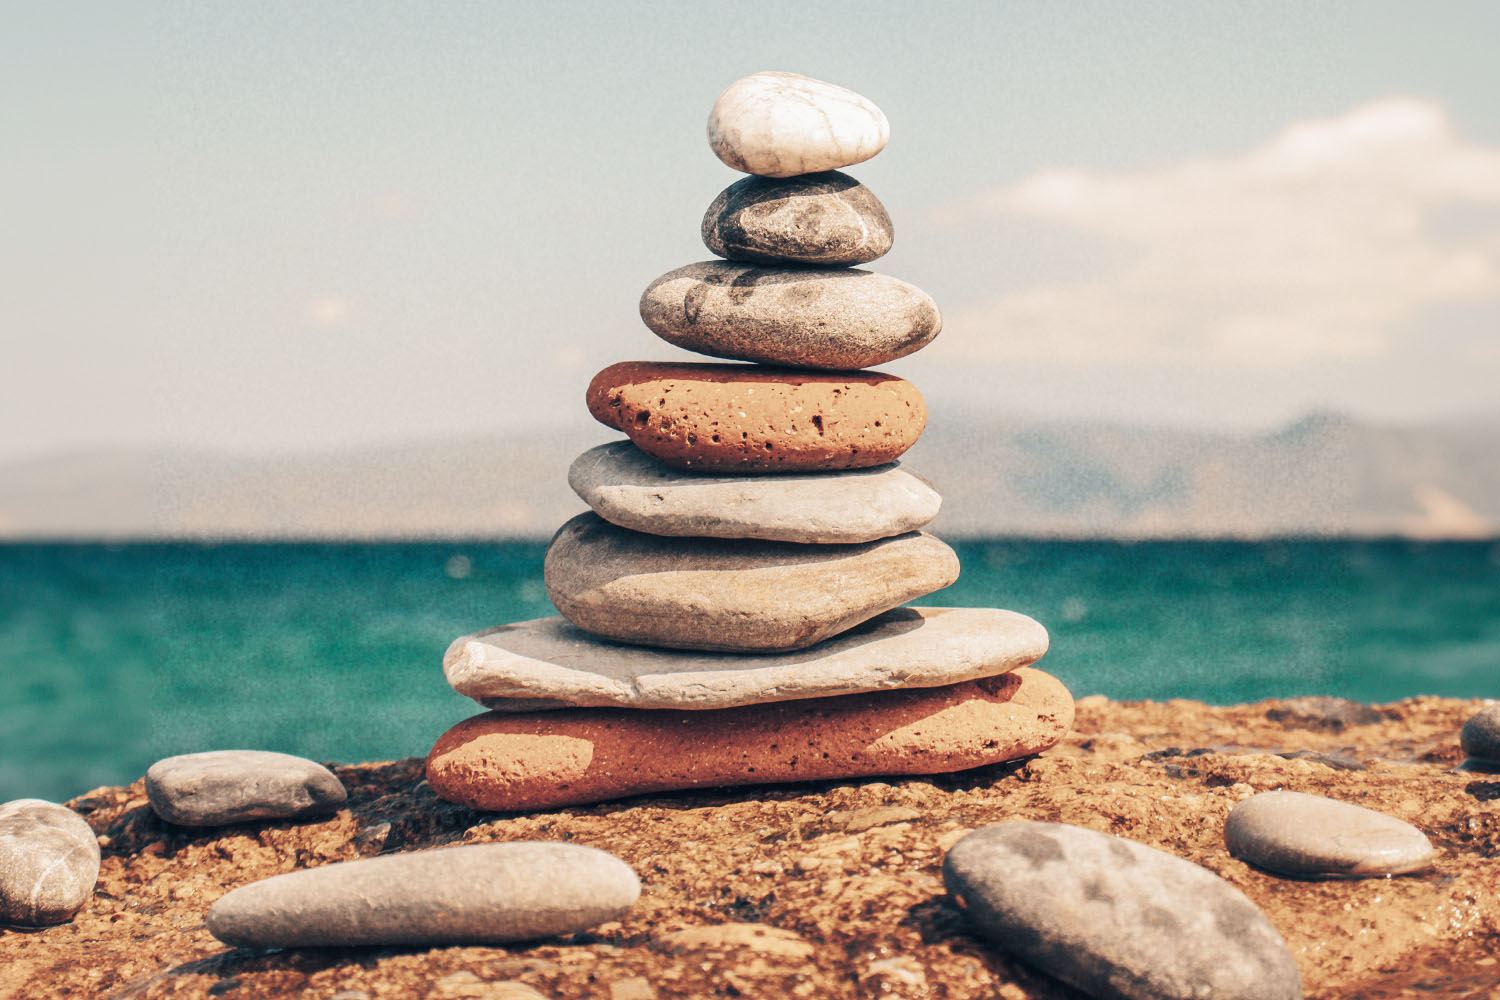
(625,486)
(1480,738)
(473,894)
(1293,833)
(1116,918)
(218,787)
(49,862)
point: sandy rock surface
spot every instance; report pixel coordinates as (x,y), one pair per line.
(831,889)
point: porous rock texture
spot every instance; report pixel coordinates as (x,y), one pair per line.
(515,762)
(830,889)
(752,419)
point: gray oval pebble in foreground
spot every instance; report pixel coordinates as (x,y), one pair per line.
(625,486)
(1480,738)
(1116,918)
(473,894)
(49,862)
(549,663)
(235,786)
(841,318)
(1308,835)
(826,219)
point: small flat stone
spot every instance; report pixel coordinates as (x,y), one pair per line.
(545,760)
(549,663)
(625,486)
(732,595)
(1480,738)
(783,124)
(1116,918)
(49,863)
(236,786)
(745,419)
(805,317)
(473,894)
(827,219)
(1292,833)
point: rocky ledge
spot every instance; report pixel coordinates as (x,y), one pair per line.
(830,889)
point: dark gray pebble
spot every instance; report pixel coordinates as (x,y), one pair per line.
(235,786)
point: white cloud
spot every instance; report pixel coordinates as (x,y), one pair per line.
(1315,246)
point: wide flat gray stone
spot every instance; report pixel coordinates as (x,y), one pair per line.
(782,124)
(236,786)
(1116,918)
(826,219)
(1480,738)
(550,663)
(732,595)
(1308,835)
(49,863)
(625,486)
(840,318)
(473,894)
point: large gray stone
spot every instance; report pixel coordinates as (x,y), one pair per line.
(839,318)
(1308,835)
(549,663)
(826,219)
(1116,918)
(783,124)
(625,486)
(235,786)
(474,894)
(732,595)
(49,862)
(1480,738)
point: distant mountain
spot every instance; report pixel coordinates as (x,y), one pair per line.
(1323,475)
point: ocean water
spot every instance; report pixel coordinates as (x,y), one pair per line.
(112,656)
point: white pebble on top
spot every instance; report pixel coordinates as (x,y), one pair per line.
(785,124)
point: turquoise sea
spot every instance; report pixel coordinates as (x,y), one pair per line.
(112,656)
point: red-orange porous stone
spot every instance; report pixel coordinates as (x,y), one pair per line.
(754,419)
(541,760)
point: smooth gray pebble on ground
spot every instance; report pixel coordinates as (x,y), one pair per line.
(1480,738)
(219,787)
(1116,918)
(1293,833)
(49,862)
(472,894)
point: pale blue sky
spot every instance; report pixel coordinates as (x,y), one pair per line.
(275,227)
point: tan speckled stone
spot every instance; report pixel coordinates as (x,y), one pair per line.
(732,595)
(826,219)
(521,762)
(838,318)
(750,419)
(783,124)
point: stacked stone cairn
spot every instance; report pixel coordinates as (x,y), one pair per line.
(731,606)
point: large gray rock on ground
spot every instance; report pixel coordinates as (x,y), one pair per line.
(839,318)
(1293,833)
(236,786)
(1480,738)
(49,863)
(782,124)
(732,595)
(1116,918)
(474,894)
(625,486)
(826,219)
(549,663)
